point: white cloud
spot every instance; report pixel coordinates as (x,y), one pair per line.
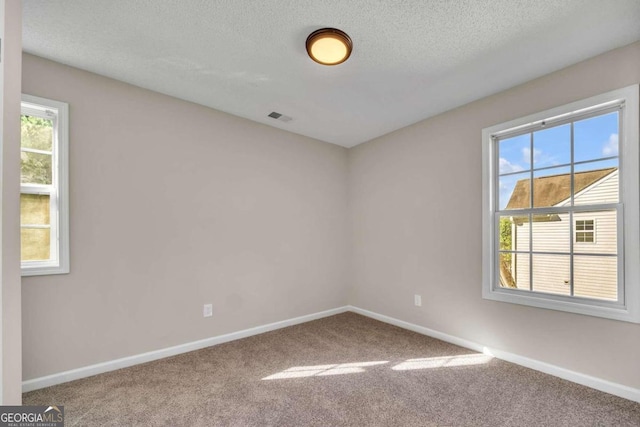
(507,167)
(526,155)
(610,147)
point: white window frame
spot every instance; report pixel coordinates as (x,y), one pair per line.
(628,308)
(59,188)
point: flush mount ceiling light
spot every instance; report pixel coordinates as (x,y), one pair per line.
(329,46)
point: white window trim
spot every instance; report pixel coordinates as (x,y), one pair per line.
(61,173)
(629,309)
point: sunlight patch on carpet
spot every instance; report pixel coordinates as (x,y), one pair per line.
(443,362)
(323,370)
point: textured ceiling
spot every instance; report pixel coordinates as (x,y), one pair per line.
(412,59)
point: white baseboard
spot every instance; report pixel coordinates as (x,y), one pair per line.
(576,377)
(112,365)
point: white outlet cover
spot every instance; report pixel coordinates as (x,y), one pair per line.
(417,300)
(207,310)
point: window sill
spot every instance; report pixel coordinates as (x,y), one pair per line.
(43,269)
(608,310)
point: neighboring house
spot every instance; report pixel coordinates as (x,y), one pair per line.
(593,233)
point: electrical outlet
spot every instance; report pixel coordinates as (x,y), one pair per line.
(417,300)
(207,311)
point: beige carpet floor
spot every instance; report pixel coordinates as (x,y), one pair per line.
(344,370)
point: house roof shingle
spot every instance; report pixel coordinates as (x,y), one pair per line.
(553,189)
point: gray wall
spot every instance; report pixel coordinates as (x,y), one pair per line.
(174,205)
(416,208)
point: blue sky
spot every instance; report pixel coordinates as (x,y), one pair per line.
(594,139)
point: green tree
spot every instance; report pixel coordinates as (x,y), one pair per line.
(36,133)
(506,244)
(505,234)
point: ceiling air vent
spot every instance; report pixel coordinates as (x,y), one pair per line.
(280,117)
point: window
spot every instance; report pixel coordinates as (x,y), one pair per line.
(44,204)
(585,231)
(550,182)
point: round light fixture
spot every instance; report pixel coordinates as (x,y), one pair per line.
(329,46)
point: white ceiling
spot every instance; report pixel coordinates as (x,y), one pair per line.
(412,59)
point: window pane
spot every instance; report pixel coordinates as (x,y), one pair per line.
(596,182)
(596,277)
(514,233)
(514,154)
(551,274)
(596,232)
(514,191)
(584,225)
(507,224)
(596,137)
(552,147)
(551,232)
(552,187)
(514,236)
(36,133)
(514,270)
(35,244)
(34,209)
(585,231)
(35,168)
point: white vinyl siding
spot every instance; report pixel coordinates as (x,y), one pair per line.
(605,233)
(603,191)
(593,277)
(552,236)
